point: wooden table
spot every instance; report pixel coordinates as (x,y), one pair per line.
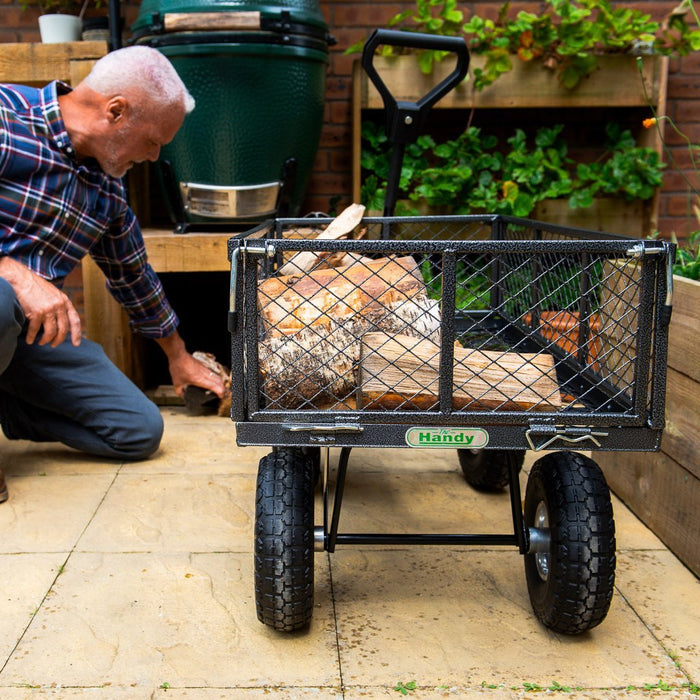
(106,323)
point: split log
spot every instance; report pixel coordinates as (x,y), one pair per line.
(313,325)
(326,297)
(400,372)
(341,226)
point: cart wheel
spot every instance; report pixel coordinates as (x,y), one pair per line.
(284,540)
(570,576)
(314,454)
(489,470)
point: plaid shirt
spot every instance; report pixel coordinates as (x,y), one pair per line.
(54,210)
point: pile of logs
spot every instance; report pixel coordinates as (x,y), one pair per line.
(342,331)
(313,326)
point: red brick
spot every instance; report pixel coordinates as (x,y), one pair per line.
(338,87)
(341,112)
(341,64)
(340,161)
(690,63)
(679,205)
(334,136)
(364,15)
(677,181)
(687,111)
(689,132)
(683,86)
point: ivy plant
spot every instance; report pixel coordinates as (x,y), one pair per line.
(473,173)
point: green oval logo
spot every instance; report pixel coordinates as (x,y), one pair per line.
(471,438)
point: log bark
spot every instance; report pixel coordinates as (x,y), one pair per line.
(313,324)
(325,297)
(401,372)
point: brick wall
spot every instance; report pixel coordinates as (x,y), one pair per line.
(351,20)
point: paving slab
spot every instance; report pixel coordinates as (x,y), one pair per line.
(666,595)
(179,512)
(188,621)
(471,613)
(25,579)
(49,513)
(205,444)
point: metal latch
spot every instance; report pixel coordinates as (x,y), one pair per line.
(638,251)
(551,433)
(264,248)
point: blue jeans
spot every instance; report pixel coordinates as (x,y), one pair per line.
(73,395)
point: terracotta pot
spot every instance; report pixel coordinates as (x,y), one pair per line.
(562,329)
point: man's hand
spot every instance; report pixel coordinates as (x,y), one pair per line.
(185,369)
(45,306)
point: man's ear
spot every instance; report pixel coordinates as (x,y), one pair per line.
(116,108)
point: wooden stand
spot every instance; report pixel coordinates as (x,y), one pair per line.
(39,64)
(618,82)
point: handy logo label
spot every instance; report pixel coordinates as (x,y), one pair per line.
(471,438)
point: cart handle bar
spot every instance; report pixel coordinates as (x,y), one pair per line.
(404,118)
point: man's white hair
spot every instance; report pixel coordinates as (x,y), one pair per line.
(143,68)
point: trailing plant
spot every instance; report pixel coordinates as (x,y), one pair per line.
(568,37)
(687,263)
(473,174)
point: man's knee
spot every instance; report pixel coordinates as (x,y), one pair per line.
(143,437)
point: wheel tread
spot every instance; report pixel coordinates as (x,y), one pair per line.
(583,554)
(284,547)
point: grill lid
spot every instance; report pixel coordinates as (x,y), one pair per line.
(283,16)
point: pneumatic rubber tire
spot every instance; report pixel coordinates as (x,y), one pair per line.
(284,540)
(571,583)
(488,470)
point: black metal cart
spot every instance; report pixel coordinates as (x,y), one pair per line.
(447,331)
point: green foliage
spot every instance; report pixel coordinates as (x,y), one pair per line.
(568,36)
(629,171)
(471,174)
(473,286)
(688,258)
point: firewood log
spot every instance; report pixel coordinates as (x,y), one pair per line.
(325,297)
(341,226)
(402,372)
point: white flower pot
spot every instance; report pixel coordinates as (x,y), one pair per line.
(55,29)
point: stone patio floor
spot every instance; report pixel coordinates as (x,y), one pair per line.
(134,581)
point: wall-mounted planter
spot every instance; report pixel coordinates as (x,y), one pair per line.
(616,81)
(611,215)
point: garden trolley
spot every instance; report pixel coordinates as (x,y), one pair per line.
(489,334)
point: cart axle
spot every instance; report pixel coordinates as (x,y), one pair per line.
(539,539)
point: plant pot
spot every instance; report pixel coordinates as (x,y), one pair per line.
(56,29)
(562,329)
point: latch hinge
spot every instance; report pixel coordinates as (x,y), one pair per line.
(549,434)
